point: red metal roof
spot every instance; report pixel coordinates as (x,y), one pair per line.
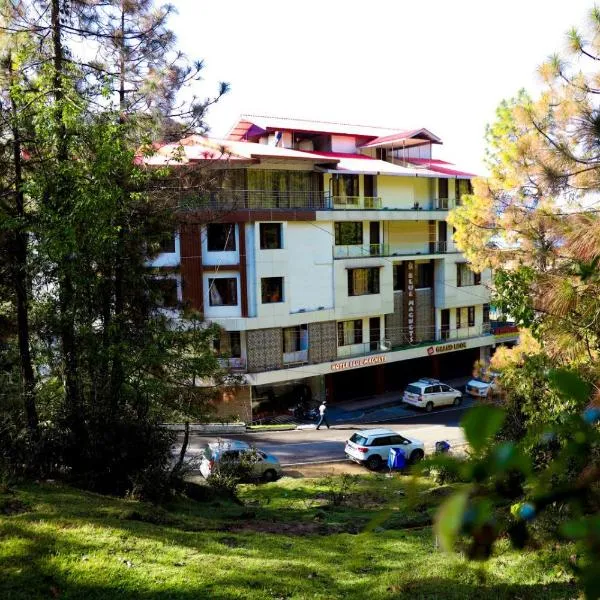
(338,154)
(439,166)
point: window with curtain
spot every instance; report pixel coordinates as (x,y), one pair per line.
(350,332)
(349,233)
(465,276)
(295,338)
(345,185)
(363,281)
(471,311)
(270,236)
(222,291)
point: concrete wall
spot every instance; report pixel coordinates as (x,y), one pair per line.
(407,238)
(447,292)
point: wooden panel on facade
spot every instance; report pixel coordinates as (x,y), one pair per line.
(191,266)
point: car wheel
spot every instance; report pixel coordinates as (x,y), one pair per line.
(457,401)
(269,475)
(429,406)
(416,456)
(374,462)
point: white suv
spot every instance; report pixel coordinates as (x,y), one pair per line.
(428,393)
(371,447)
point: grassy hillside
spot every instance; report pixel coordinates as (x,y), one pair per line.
(297,538)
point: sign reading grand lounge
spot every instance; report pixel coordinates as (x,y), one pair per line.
(358,362)
(446,348)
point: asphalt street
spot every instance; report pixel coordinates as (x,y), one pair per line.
(327,445)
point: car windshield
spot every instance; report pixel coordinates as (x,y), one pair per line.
(361,440)
(413,389)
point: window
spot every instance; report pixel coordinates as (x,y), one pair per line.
(295,339)
(471,311)
(235,344)
(465,277)
(345,185)
(349,332)
(423,275)
(486,314)
(165,291)
(429,390)
(222,291)
(167,244)
(270,236)
(445,388)
(272,289)
(349,233)
(220,237)
(363,281)
(399,277)
(381,153)
(458,318)
(442,188)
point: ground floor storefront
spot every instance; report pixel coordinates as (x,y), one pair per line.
(349,380)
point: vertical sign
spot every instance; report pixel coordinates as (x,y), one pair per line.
(410,302)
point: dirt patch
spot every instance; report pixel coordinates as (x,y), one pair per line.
(322,470)
(292,529)
(13,506)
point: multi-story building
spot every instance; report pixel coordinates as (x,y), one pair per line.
(326,258)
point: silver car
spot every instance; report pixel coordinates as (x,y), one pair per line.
(262,465)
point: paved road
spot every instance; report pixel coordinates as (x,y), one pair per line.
(326,445)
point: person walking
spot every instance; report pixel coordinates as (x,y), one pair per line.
(323,414)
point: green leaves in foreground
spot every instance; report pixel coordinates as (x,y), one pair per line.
(481,424)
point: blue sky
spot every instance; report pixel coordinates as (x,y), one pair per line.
(434,63)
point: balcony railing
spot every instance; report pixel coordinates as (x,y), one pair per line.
(297,199)
(398,339)
(234,364)
(353,202)
(366,250)
(255,199)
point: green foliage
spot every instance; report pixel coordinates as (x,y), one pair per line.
(503,474)
(512,295)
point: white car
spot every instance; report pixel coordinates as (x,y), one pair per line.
(482,387)
(263,466)
(371,447)
(429,393)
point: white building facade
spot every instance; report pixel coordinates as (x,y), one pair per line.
(326,258)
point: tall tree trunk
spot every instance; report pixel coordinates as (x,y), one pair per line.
(117,364)
(20,269)
(67,324)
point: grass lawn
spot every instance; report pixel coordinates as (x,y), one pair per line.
(289,540)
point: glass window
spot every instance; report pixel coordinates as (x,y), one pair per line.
(486,314)
(358,439)
(235,344)
(382,441)
(345,185)
(363,281)
(471,316)
(429,390)
(423,275)
(165,290)
(445,388)
(270,236)
(399,277)
(413,389)
(222,291)
(437,389)
(295,338)
(458,318)
(167,244)
(349,233)
(272,290)
(442,188)
(349,332)
(220,237)
(464,275)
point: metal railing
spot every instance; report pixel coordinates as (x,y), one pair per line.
(366,250)
(235,364)
(255,199)
(398,338)
(353,202)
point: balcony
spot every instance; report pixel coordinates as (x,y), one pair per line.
(353,202)
(371,250)
(255,199)
(233,364)
(397,339)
